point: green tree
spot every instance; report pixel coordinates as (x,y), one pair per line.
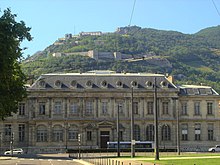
(12,80)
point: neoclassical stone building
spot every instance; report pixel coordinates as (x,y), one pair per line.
(60,107)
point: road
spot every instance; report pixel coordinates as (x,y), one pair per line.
(41,159)
(31,161)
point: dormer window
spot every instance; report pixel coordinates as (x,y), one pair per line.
(73,84)
(58,84)
(134,84)
(42,84)
(89,84)
(104,84)
(163,84)
(119,84)
(149,84)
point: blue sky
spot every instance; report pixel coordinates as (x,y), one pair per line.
(52,19)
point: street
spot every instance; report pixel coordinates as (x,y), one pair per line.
(43,159)
(31,161)
(25,161)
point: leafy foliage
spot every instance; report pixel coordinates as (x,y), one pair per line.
(12,79)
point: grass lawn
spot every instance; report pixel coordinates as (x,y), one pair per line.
(205,161)
(188,159)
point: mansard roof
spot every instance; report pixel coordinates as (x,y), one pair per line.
(101,80)
(197,90)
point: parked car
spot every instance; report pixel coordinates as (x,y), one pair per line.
(215,149)
(15,151)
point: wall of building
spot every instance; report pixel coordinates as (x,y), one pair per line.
(54,116)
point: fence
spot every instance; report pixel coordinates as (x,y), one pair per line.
(109,158)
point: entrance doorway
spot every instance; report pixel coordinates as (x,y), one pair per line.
(104,138)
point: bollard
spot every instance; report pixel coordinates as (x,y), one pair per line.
(112,162)
(118,162)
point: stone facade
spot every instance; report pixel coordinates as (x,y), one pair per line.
(60,107)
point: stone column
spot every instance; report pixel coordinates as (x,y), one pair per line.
(49,130)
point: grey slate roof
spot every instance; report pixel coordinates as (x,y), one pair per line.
(197,90)
(101,80)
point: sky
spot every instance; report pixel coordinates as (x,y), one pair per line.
(52,19)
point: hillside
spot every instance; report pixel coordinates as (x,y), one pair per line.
(192,58)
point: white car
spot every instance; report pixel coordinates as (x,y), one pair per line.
(15,151)
(215,149)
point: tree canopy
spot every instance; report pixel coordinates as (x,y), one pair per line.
(12,79)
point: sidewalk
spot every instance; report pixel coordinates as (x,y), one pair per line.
(7,158)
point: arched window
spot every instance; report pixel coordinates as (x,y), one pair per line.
(58,84)
(136,132)
(73,83)
(42,84)
(166,134)
(41,133)
(150,132)
(134,84)
(89,84)
(73,132)
(104,84)
(119,84)
(57,133)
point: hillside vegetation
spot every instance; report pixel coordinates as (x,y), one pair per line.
(193,58)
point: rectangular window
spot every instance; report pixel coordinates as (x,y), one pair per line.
(58,135)
(210,132)
(73,135)
(184,108)
(184,132)
(57,107)
(197,131)
(209,108)
(21,132)
(7,129)
(42,108)
(21,109)
(104,107)
(41,136)
(74,108)
(89,108)
(89,135)
(165,108)
(197,108)
(150,108)
(135,107)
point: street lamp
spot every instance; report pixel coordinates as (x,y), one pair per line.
(132,125)
(177,126)
(66,136)
(118,131)
(79,140)
(156,147)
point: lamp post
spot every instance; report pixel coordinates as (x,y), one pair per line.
(156,147)
(11,143)
(177,127)
(79,140)
(0,141)
(132,125)
(118,132)
(66,136)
